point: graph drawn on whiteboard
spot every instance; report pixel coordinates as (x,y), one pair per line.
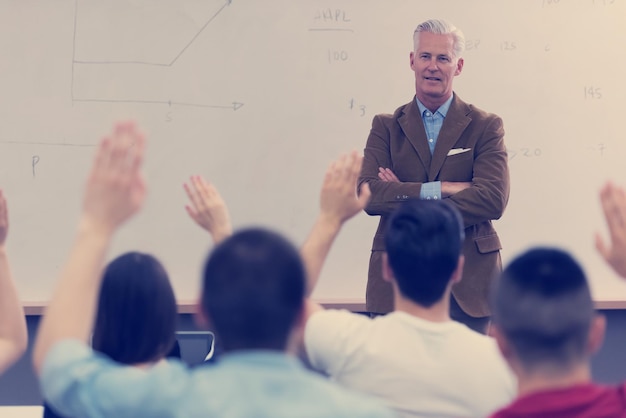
(126,52)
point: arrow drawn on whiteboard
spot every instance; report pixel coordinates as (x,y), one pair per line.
(233,106)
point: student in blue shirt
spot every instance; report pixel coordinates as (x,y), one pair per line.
(136,317)
(254,287)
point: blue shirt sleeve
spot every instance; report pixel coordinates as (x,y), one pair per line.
(78,382)
(431,191)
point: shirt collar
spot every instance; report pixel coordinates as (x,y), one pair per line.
(443,109)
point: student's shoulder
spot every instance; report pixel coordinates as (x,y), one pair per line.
(473,339)
(340,319)
(331,336)
(345,402)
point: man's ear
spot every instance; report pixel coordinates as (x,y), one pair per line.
(459,66)
(412,60)
(596,333)
(457,274)
(387,272)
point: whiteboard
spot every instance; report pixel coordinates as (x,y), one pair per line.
(259,96)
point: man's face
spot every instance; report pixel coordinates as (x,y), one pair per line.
(435,66)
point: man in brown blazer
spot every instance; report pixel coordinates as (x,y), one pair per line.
(439,147)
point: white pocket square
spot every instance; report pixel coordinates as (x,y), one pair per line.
(455,151)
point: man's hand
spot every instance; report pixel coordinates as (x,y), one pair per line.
(450,188)
(339,200)
(613,201)
(208,209)
(115,188)
(386,175)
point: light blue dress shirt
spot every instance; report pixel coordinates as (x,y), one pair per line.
(254,384)
(432,123)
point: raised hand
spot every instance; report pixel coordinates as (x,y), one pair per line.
(613,200)
(207,208)
(115,188)
(339,200)
(114,192)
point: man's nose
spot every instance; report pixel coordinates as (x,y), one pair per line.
(432,65)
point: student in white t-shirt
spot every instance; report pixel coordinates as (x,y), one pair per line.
(416,359)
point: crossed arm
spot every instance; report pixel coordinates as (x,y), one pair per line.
(480,189)
(13,334)
(448,188)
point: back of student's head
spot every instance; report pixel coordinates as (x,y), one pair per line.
(136,317)
(423,241)
(542,305)
(254,288)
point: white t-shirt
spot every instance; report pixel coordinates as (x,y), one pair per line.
(420,368)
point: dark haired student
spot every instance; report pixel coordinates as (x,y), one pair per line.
(547,328)
(136,317)
(254,287)
(414,359)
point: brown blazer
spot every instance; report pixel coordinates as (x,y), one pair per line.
(399,142)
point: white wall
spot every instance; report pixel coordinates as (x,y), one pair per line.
(259,96)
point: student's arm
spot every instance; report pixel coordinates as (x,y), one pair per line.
(338,203)
(114,192)
(208,209)
(613,201)
(13,334)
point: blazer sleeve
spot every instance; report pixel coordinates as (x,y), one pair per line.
(487,198)
(386,196)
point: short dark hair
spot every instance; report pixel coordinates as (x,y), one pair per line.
(136,315)
(424,240)
(254,289)
(542,305)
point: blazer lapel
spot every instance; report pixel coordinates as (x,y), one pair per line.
(413,127)
(453,126)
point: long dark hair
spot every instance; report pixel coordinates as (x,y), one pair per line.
(136,317)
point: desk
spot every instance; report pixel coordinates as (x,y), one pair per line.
(354,305)
(21,411)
